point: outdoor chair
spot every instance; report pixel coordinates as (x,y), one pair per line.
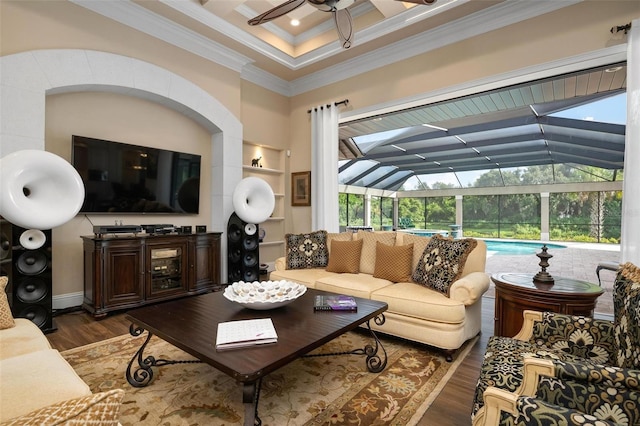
(563,369)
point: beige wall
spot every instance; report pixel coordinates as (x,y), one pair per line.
(269,118)
(122,119)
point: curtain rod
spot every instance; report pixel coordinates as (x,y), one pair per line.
(342,102)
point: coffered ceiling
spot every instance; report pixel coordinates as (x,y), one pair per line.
(509,127)
(291,60)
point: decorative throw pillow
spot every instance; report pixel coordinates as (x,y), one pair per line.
(394,263)
(6,318)
(442,262)
(345,256)
(100,409)
(419,243)
(626,330)
(306,250)
(369,239)
(334,236)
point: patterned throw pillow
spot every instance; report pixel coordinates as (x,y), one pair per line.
(6,319)
(345,256)
(394,263)
(626,302)
(100,409)
(442,262)
(306,250)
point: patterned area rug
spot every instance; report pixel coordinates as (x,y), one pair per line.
(335,390)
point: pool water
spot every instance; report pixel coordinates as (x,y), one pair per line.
(502,247)
(510,248)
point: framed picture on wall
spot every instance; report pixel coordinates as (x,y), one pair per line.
(301,189)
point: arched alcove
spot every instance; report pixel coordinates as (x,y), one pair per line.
(28,77)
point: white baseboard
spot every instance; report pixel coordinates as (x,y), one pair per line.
(68,300)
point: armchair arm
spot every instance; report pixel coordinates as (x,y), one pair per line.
(495,402)
(280,264)
(584,337)
(530,411)
(469,288)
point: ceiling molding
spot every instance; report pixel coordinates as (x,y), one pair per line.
(267,80)
(499,16)
(130,14)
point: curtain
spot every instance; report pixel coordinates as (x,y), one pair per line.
(630,237)
(324,168)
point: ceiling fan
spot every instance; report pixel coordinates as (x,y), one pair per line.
(339,8)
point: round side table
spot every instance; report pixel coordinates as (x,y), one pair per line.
(516,293)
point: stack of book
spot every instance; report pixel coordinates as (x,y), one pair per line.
(335,302)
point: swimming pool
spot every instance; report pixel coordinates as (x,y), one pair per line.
(510,248)
(499,247)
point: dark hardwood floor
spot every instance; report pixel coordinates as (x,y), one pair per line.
(451,408)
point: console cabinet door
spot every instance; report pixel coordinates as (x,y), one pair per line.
(123,273)
(204,251)
(166,268)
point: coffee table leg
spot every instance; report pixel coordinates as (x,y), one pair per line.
(375,364)
(143,375)
(250,398)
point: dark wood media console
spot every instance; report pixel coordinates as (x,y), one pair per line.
(128,271)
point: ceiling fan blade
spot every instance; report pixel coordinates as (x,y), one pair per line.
(427,2)
(344,26)
(276,12)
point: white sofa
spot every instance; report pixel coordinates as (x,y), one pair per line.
(415,312)
(38,384)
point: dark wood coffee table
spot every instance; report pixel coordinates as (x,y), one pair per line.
(191,325)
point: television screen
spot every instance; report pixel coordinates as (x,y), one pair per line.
(124,178)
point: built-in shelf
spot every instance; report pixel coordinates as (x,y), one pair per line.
(253,169)
(271,168)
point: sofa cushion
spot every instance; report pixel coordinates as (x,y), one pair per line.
(338,236)
(393,263)
(419,244)
(45,372)
(306,277)
(306,250)
(22,339)
(359,285)
(369,239)
(345,256)
(418,301)
(100,409)
(442,262)
(6,318)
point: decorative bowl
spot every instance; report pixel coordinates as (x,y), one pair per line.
(263,295)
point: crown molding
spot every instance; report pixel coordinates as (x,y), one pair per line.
(137,17)
(499,16)
(129,13)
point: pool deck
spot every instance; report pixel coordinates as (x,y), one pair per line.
(577,261)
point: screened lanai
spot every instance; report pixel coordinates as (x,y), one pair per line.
(545,157)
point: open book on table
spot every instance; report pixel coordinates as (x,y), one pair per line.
(244,333)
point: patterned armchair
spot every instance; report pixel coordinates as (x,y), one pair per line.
(563,369)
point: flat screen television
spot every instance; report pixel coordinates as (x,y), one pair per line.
(123,178)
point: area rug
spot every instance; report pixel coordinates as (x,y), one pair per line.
(335,390)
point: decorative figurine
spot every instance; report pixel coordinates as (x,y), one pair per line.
(256,162)
(543,276)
